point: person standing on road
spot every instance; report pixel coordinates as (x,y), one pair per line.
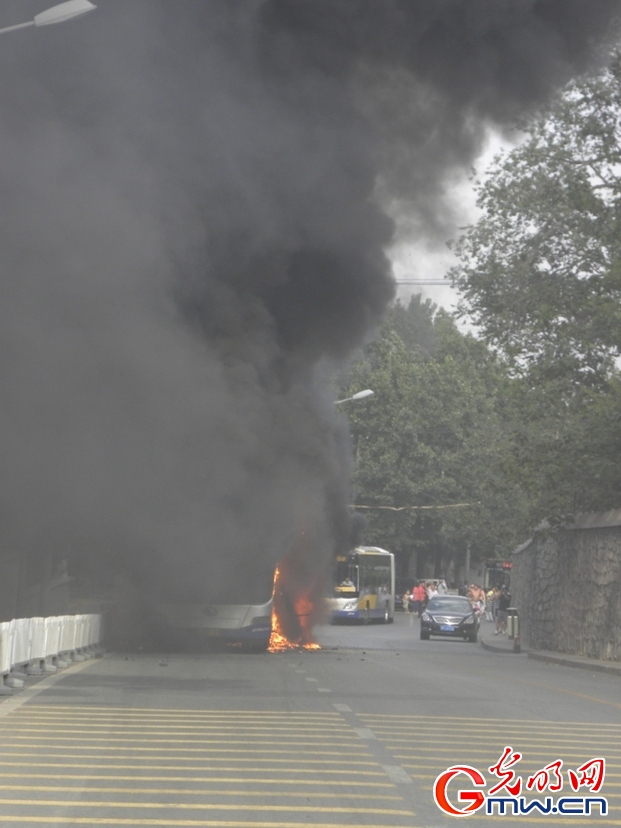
(504,602)
(410,602)
(489,604)
(495,598)
(477,598)
(407,598)
(419,598)
(412,605)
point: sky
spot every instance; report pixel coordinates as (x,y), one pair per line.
(431,259)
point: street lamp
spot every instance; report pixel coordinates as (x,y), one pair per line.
(57,14)
(359,395)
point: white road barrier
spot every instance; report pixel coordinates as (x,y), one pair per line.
(36,645)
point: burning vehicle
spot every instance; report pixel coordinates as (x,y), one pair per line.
(274,613)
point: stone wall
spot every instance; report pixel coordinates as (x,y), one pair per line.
(566,586)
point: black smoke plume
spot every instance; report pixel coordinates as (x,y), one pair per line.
(193,236)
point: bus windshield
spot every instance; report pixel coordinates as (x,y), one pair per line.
(364,586)
(346,578)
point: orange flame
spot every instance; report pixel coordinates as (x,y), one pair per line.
(291,618)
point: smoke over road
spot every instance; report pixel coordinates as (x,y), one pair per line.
(193,235)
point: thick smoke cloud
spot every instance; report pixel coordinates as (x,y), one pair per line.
(192,235)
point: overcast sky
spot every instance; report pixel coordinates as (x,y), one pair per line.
(429,259)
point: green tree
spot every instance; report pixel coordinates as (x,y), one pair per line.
(540,271)
(565,450)
(415,325)
(433,439)
(540,275)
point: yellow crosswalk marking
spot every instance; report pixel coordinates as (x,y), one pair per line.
(176,823)
(303,765)
(196,792)
(244,729)
(133,748)
(242,779)
(180,712)
(439,720)
(319,809)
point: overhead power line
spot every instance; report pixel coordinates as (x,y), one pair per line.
(424,282)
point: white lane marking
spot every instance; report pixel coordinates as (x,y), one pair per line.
(365,733)
(342,708)
(397,774)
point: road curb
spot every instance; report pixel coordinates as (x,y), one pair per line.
(576,661)
(494,648)
(505,647)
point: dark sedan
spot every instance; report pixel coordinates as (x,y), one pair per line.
(449,615)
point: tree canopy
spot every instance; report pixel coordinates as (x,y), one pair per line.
(430,446)
(540,271)
(521,421)
(540,277)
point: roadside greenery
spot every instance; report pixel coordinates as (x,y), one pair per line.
(540,275)
(523,421)
(430,447)
(540,271)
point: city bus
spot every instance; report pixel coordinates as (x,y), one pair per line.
(496,572)
(247,626)
(242,617)
(278,612)
(364,586)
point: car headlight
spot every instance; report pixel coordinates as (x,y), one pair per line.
(468,621)
(426,617)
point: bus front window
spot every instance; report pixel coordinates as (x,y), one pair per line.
(346,579)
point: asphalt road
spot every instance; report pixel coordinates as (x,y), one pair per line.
(352,735)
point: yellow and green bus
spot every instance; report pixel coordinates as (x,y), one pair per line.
(364,586)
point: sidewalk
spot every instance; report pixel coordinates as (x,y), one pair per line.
(502,644)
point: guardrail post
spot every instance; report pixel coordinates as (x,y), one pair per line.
(512,623)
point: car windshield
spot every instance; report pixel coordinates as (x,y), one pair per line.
(448,604)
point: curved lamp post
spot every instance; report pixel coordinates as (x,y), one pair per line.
(57,14)
(359,395)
